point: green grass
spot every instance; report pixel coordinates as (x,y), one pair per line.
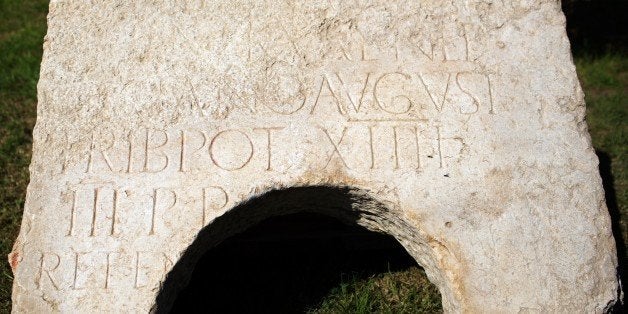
(22,27)
(406,291)
(605,83)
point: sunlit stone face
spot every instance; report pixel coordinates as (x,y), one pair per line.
(458,128)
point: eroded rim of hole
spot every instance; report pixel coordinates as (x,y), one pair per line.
(347,204)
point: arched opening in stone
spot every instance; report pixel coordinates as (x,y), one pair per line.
(292,263)
(287,250)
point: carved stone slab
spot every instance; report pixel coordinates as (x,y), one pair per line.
(456,127)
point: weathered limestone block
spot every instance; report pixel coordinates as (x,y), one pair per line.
(457,127)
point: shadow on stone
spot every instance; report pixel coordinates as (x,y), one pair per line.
(280,252)
(608,183)
(287,264)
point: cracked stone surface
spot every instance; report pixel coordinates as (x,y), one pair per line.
(456,127)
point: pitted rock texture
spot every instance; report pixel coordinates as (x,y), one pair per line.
(457,127)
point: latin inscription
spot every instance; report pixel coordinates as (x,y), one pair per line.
(103,270)
(100,210)
(461,89)
(263,148)
(386,106)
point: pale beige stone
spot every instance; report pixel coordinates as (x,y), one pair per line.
(457,127)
